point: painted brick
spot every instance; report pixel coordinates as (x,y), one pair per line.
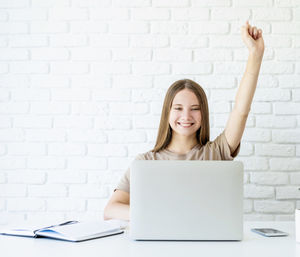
(69,68)
(50,108)
(285,164)
(70,94)
(188,41)
(14,4)
(13,190)
(33,95)
(150,14)
(254,163)
(26,177)
(190,14)
(66,149)
(67,40)
(269,178)
(105,150)
(274,150)
(28,14)
(85,135)
(295,178)
(126,137)
(109,14)
(66,204)
(274,206)
(47,191)
(287,192)
(13,54)
(28,41)
(230,13)
(170,3)
(90,191)
(51,54)
(91,54)
(14,108)
(169,28)
(147,95)
(109,40)
(189,68)
(68,14)
(175,55)
(148,68)
(286,136)
(13,28)
(132,3)
(113,122)
(45,27)
(257,135)
(27,204)
(209,28)
(110,68)
(29,67)
(27,148)
(126,27)
(253,191)
(42,163)
(266,121)
(66,177)
(274,14)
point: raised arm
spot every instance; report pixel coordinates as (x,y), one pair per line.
(236,123)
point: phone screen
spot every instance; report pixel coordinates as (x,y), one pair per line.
(269,232)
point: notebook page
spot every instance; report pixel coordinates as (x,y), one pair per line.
(22,229)
(83,229)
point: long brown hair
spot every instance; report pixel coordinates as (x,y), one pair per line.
(164,135)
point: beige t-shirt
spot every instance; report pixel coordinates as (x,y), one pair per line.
(213,150)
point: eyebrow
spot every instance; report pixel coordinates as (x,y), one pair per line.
(191,105)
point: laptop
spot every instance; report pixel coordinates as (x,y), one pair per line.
(186,200)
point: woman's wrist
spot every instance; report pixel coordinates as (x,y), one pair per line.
(255,54)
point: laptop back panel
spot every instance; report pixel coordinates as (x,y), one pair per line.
(186,200)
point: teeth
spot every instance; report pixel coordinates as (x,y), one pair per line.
(185,124)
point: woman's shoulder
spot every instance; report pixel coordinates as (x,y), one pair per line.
(151,155)
(145,156)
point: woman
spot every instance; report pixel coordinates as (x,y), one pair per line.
(184,127)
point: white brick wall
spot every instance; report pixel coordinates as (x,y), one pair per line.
(81,90)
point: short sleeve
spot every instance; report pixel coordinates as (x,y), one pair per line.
(221,143)
(124,182)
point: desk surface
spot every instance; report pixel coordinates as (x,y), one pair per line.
(121,245)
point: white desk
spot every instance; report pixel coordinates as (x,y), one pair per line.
(121,245)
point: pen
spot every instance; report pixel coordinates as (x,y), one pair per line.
(60,224)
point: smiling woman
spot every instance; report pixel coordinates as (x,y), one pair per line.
(184,126)
(184,120)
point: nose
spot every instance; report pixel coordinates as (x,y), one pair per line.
(186,114)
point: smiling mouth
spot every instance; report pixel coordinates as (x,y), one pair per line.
(185,125)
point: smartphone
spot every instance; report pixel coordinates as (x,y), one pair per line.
(269,232)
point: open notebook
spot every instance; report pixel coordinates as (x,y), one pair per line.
(74,231)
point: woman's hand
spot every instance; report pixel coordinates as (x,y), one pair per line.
(253,39)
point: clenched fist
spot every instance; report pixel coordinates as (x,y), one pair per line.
(253,39)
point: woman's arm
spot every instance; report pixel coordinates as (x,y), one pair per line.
(236,123)
(118,206)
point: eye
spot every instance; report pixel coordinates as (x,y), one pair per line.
(195,109)
(177,108)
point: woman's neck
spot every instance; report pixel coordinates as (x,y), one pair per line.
(182,144)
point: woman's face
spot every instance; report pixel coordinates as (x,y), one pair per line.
(185,114)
